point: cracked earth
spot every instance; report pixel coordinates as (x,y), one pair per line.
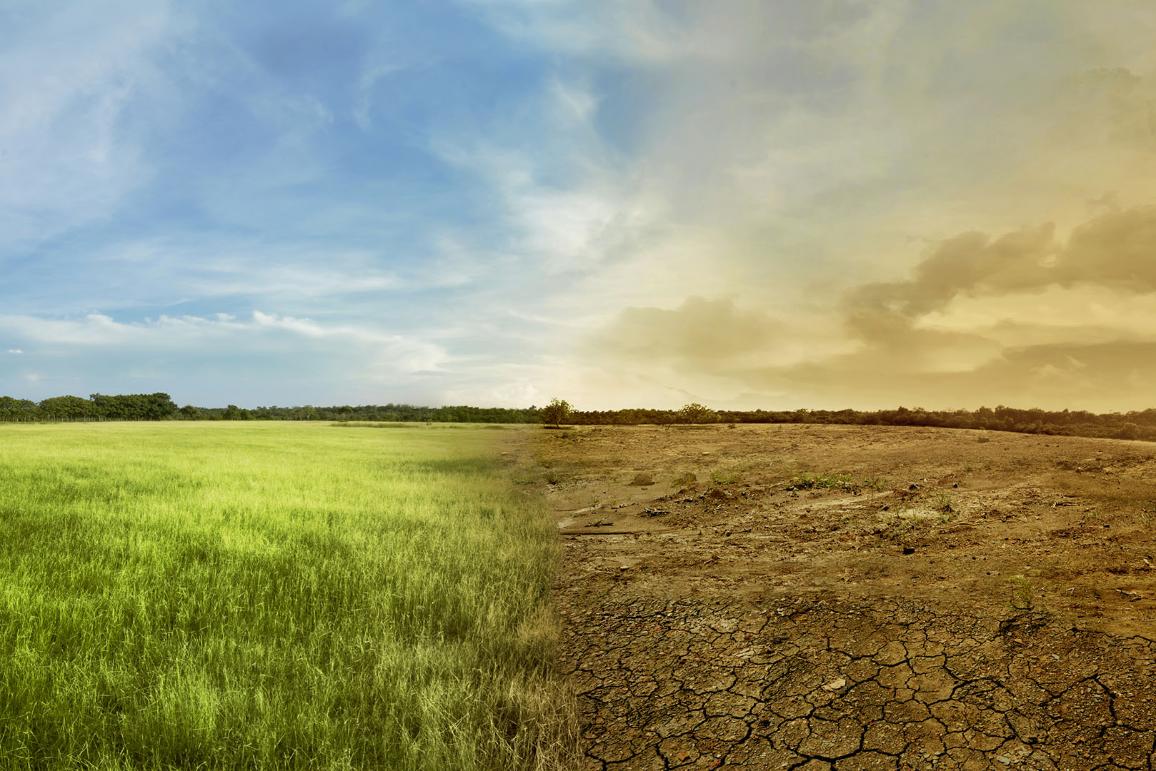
(841,597)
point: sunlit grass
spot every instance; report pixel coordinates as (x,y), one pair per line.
(270,595)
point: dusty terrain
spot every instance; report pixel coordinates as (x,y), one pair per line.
(875,597)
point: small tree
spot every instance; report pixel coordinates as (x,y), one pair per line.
(697,413)
(557,412)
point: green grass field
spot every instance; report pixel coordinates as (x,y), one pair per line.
(271,595)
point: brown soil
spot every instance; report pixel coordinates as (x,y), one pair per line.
(834,596)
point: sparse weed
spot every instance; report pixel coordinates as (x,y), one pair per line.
(1022,594)
(725,476)
(820,482)
(944,503)
(902,525)
(843,482)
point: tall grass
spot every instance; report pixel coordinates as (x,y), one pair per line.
(270,596)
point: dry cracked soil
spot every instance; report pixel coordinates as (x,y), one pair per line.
(814,597)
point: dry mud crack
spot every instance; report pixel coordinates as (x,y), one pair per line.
(748,621)
(818,684)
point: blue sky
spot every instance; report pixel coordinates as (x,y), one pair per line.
(237,204)
(499,201)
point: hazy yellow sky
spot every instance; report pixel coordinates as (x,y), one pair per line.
(873,204)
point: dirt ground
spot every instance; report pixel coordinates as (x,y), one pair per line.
(855,597)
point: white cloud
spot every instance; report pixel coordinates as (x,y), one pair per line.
(633,30)
(164,271)
(577,102)
(66,82)
(199,333)
(566,203)
(366,85)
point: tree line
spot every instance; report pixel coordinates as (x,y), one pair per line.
(160,406)
(1116,425)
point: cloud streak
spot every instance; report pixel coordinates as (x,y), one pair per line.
(69,147)
(182,354)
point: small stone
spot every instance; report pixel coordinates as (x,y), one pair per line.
(908,549)
(834,685)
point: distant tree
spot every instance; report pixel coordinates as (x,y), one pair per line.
(66,408)
(158,406)
(1128,431)
(18,409)
(697,413)
(557,412)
